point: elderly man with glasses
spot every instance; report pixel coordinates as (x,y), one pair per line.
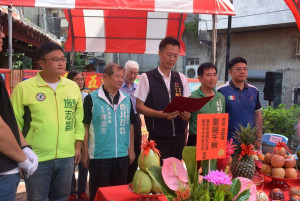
(129,87)
(49,112)
(242,100)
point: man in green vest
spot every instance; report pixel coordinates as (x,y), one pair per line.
(207,75)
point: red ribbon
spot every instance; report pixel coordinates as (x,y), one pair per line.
(280,145)
(246,150)
(147,145)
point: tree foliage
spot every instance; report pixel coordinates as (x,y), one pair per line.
(281,120)
(191,29)
(21,61)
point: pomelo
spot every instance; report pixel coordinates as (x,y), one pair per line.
(145,161)
(155,187)
(141,182)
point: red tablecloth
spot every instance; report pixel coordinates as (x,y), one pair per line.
(267,188)
(121,193)
(118,193)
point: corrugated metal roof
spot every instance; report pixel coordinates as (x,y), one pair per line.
(26,31)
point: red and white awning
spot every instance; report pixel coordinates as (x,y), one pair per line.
(126,26)
(220,7)
(121,31)
(294,5)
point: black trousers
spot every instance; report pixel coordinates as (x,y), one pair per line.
(137,147)
(170,147)
(107,172)
(192,140)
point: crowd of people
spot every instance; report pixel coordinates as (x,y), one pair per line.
(101,131)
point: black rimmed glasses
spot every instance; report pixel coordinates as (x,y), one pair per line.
(240,69)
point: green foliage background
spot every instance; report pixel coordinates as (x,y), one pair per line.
(191,29)
(21,61)
(281,120)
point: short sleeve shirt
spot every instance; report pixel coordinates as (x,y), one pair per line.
(240,104)
(215,105)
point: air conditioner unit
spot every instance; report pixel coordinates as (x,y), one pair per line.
(191,71)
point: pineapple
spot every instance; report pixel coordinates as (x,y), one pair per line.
(243,166)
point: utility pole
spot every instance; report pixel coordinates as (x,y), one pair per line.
(214,39)
(10,50)
(228,46)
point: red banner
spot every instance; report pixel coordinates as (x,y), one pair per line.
(211,136)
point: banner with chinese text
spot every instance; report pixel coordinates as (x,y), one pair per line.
(211,136)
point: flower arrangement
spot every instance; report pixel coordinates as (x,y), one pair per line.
(223,163)
(180,184)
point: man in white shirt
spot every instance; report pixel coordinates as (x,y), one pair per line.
(155,91)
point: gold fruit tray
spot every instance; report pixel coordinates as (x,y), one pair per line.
(283,179)
(145,197)
(281,182)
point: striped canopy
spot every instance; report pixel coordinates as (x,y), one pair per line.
(121,31)
(126,26)
(220,7)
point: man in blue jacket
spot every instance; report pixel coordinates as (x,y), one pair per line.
(109,131)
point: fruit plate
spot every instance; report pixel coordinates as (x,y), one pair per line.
(258,179)
(145,197)
(281,182)
(284,179)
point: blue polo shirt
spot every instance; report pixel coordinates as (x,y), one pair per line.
(240,104)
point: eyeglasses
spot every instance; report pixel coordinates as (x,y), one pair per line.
(240,69)
(56,59)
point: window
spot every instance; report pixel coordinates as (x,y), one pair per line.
(193,61)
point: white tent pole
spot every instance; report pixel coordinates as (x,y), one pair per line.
(10,50)
(72,55)
(214,40)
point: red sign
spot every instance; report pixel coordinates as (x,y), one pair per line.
(211,136)
(92,82)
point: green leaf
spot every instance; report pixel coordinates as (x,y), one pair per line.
(235,187)
(219,195)
(245,195)
(189,157)
(205,166)
(155,173)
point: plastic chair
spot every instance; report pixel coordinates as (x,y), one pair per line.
(269,140)
(297,151)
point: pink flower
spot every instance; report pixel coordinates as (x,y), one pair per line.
(230,148)
(218,178)
(223,162)
(174,173)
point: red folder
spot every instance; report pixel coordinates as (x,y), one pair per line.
(182,104)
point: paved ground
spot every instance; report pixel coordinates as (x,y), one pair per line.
(21,192)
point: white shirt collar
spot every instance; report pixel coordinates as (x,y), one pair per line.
(160,72)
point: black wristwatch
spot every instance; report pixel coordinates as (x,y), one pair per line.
(26,146)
